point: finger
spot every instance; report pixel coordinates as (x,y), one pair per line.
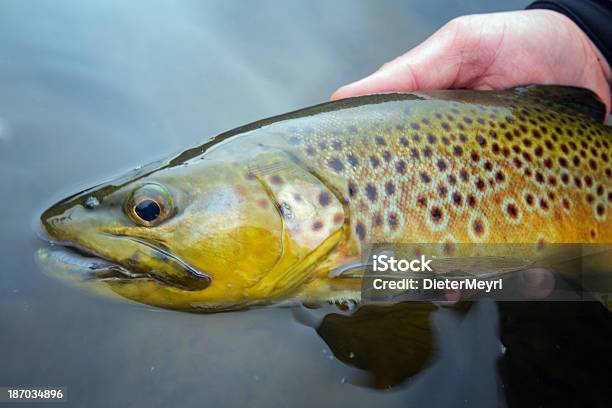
(434,64)
(447,297)
(536,283)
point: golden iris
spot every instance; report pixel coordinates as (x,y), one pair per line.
(149,205)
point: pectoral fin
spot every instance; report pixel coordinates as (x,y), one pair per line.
(478,266)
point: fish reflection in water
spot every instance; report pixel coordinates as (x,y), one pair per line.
(406,345)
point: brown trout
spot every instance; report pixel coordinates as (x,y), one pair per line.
(272,210)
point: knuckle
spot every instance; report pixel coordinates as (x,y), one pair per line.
(458,23)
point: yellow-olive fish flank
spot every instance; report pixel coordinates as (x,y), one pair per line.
(265,212)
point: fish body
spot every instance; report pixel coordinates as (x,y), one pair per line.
(267,212)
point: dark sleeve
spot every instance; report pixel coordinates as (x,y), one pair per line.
(594,17)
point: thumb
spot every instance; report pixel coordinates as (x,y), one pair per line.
(434,64)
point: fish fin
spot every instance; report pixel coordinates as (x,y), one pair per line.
(449,267)
(477,266)
(355,270)
(291,271)
(573,98)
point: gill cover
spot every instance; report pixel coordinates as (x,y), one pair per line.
(313,220)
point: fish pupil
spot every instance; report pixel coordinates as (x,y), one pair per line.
(148,210)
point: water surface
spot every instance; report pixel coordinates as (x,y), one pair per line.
(92,88)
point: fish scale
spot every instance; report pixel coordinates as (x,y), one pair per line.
(489,169)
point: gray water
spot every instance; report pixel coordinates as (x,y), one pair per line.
(91,88)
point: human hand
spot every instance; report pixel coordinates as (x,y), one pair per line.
(532,284)
(495,51)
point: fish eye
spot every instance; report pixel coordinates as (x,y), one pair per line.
(148,210)
(149,205)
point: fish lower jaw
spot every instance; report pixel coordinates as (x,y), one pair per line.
(85,264)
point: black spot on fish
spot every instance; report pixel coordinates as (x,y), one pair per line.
(457,199)
(565,178)
(512,211)
(480,184)
(324,198)
(442,190)
(471,200)
(352,189)
(436,214)
(389,188)
(538,151)
(478,227)
(371,192)
(375,162)
(360,230)
(400,166)
(421,201)
(539,177)
(336,165)
(393,221)
(352,159)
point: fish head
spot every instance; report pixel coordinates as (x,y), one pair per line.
(202,232)
(206,234)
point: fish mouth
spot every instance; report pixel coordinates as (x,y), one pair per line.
(78,263)
(74,262)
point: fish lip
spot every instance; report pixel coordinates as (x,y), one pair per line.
(200,276)
(106,270)
(97,266)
